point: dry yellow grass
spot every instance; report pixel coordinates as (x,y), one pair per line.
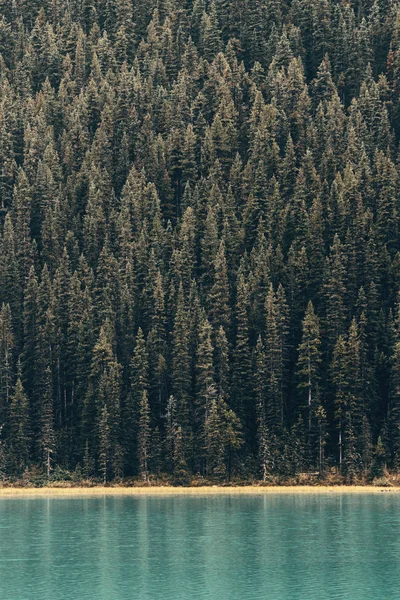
(57,492)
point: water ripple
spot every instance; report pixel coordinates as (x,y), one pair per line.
(201,548)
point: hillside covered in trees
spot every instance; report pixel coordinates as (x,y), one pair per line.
(199,237)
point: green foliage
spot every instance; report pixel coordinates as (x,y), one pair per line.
(199,241)
(19,428)
(104,445)
(144,437)
(309,360)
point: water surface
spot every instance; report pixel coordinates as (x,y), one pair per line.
(283,547)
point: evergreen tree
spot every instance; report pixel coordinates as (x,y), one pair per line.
(308,363)
(214,443)
(181,364)
(241,386)
(260,390)
(9,273)
(205,375)
(19,428)
(47,434)
(199,202)
(180,466)
(144,436)
(335,292)
(219,294)
(394,412)
(6,360)
(275,359)
(104,446)
(339,376)
(103,388)
(132,409)
(222,367)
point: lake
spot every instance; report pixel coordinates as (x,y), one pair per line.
(273,547)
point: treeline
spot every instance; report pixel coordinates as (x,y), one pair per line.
(200,245)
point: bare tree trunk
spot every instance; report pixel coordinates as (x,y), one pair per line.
(48,463)
(320,453)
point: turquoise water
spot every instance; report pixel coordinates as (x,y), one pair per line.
(287,547)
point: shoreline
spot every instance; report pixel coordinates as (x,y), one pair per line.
(57,492)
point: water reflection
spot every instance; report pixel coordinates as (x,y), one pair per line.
(207,548)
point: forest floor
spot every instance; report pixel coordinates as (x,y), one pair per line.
(52,491)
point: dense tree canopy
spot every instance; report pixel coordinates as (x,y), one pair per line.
(199,237)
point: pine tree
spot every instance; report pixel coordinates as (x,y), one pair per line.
(180,465)
(214,443)
(125,23)
(394,411)
(210,37)
(379,461)
(205,375)
(109,392)
(155,449)
(9,273)
(144,437)
(47,433)
(220,293)
(88,463)
(19,427)
(275,341)
(170,431)
(350,457)
(181,363)
(335,292)
(222,366)
(104,446)
(308,363)
(103,388)
(30,318)
(6,360)
(321,419)
(231,432)
(260,392)
(139,384)
(199,201)
(157,349)
(339,376)
(22,222)
(241,371)
(356,400)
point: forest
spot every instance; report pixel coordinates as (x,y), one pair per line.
(199,239)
